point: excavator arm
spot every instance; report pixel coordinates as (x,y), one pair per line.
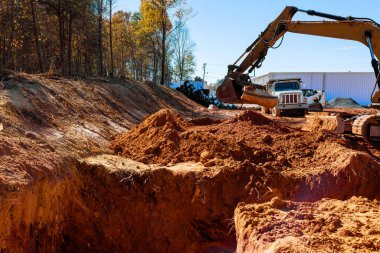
(256,52)
(364,32)
(237,81)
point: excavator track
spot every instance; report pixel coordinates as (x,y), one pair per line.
(368,127)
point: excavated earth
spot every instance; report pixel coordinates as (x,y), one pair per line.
(118,166)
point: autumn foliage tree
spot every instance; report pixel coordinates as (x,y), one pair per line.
(88,38)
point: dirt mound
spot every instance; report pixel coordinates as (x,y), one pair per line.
(343,103)
(323,226)
(166,138)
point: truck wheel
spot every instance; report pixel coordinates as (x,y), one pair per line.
(264,110)
(304,112)
(276,112)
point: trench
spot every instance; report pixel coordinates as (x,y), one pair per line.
(112,204)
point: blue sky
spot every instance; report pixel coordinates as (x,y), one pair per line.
(222,30)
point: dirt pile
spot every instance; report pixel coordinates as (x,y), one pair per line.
(343,103)
(167,138)
(323,226)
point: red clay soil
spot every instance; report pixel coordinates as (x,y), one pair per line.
(47,123)
(165,138)
(310,163)
(52,201)
(324,226)
(280,162)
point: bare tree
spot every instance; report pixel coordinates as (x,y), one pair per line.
(36,35)
(100,13)
(183,47)
(164,6)
(110,4)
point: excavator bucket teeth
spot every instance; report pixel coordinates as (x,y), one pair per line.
(252,95)
(226,93)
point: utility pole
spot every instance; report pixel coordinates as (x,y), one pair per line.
(204,72)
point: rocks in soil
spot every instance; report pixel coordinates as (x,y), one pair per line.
(267,139)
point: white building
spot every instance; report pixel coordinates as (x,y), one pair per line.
(355,85)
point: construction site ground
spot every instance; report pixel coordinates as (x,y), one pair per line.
(113,165)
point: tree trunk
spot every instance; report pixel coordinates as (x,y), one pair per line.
(100,38)
(154,66)
(9,58)
(61,20)
(111,46)
(163,57)
(36,35)
(70,49)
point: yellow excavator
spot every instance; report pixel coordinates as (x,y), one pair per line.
(238,88)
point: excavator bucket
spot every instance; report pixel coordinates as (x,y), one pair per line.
(228,92)
(231,93)
(252,95)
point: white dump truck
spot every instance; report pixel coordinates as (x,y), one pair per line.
(290,95)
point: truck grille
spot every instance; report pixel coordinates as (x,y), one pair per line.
(290,98)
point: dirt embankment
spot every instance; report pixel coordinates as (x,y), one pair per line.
(46,120)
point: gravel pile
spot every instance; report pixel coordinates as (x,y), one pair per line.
(343,103)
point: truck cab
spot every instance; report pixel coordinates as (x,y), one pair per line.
(290,95)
